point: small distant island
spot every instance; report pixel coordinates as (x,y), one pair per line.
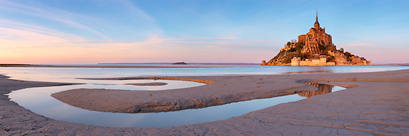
(179,63)
(314,49)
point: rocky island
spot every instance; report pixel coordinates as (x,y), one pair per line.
(179,63)
(315,49)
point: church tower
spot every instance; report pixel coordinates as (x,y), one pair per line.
(316,24)
(314,38)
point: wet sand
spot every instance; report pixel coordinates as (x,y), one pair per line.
(148,84)
(374,104)
(219,90)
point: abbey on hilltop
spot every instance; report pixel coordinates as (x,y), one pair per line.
(314,49)
(313,38)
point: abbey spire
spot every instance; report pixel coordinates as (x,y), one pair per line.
(316,24)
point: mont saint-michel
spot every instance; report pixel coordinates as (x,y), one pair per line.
(315,48)
(192,68)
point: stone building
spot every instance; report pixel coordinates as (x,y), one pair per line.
(314,38)
(356,60)
(339,56)
(295,61)
(321,61)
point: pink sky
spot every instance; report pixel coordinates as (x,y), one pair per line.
(34,47)
(124,31)
(47,47)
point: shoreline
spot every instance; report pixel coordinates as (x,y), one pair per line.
(168,66)
(375,103)
(105,66)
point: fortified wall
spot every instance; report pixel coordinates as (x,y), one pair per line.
(321,61)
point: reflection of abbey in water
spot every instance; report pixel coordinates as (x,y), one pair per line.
(322,89)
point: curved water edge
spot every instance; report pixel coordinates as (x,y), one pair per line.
(39,101)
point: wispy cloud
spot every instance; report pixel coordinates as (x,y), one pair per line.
(22,42)
(49,13)
(135,10)
(40,45)
(37,29)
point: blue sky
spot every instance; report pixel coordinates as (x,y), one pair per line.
(95,31)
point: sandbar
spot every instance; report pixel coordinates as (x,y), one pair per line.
(373,104)
(218,90)
(148,84)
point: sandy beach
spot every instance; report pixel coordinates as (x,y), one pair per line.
(373,104)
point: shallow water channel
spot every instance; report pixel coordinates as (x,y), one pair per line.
(39,101)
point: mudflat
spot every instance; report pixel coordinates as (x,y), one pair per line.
(373,104)
(218,90)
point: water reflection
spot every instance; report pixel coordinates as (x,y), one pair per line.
(39,101)
(322,89)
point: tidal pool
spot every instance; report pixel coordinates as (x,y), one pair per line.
(39,101)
